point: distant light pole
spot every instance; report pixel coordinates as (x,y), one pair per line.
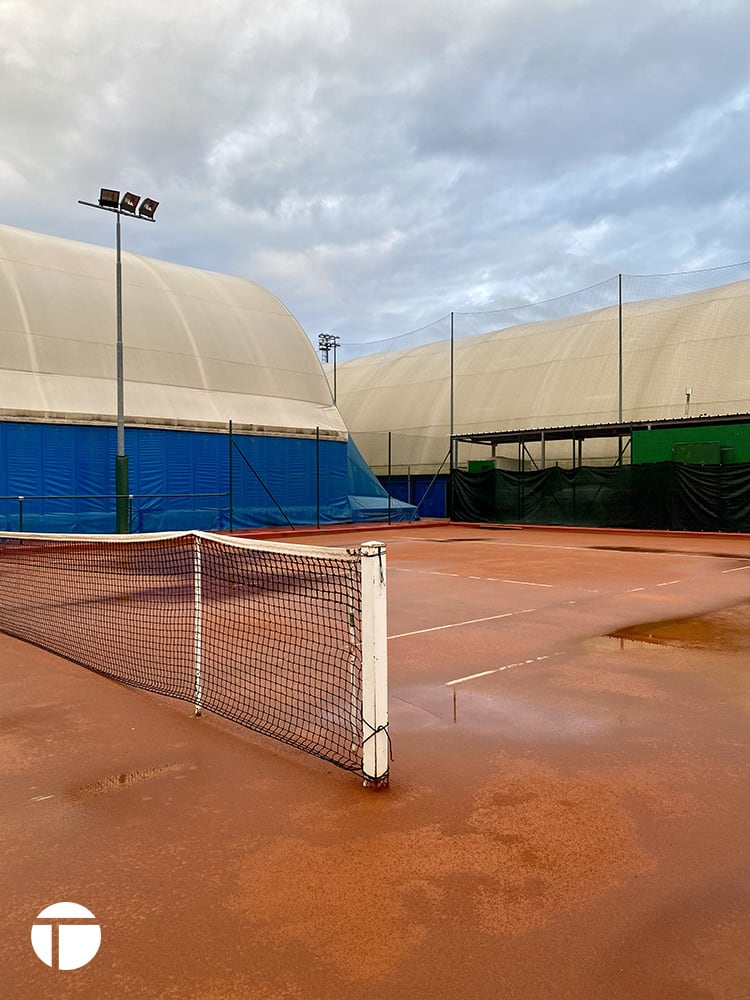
(329,342)
(110,201)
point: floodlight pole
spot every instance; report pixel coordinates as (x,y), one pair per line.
(120,373)
(335,345)
(122,486)
(326,343)
(110,202)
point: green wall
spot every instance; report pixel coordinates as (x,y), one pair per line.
(657,444)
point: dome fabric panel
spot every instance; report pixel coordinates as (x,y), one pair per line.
(198,347)
(561,372)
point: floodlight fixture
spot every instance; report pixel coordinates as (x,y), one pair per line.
(148,208)
(329,342)
(109,198)
(129,203)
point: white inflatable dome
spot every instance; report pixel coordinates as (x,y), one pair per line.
(200,348)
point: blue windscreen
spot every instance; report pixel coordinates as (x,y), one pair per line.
(60,477)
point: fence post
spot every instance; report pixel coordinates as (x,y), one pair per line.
(231,477)
(619,348)
(452,464)
(20,513)
(317,476)
(389,477)
(619,364)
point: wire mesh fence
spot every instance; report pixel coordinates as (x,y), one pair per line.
(633,347)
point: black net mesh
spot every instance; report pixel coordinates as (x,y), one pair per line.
(658,495)
(268,637)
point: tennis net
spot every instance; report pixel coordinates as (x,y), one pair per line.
(288,640)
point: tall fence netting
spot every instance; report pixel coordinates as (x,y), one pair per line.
(633,347)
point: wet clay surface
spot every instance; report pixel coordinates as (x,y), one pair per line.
(579,830)
(727,630)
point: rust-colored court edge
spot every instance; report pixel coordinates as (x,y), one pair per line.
(567,814)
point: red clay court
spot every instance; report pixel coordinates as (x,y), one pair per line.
(567,817)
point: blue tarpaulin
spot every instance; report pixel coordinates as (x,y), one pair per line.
(181,480)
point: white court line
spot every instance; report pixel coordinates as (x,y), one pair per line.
(485,579)
(472,677)
(739,569)
(635,590)
(669,583)
(506,666)
(472,621)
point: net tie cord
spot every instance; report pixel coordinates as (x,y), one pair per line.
(379,556)
(374,730)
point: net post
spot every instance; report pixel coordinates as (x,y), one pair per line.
(375,738)
(197,622)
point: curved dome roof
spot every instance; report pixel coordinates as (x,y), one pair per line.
(199,348)
(560,372)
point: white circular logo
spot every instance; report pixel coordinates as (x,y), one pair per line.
(66,937)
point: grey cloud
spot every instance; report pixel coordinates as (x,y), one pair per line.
(378,165)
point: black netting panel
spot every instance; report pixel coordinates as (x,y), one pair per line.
(658,495)
(268,639)
(281,647)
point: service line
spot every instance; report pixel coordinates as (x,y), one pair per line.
(471,621)
(496,670)
(461,576)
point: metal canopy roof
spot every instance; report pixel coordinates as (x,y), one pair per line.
(580,432)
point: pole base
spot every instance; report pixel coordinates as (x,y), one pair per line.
(122,499)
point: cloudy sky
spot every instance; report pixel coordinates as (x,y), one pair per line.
(377,164)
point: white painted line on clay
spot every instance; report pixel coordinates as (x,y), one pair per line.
(470,621)
(506,666)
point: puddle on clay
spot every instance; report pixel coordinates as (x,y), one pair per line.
(440,540)
(519,719)
(687,552)
(115,781)
(721,631)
